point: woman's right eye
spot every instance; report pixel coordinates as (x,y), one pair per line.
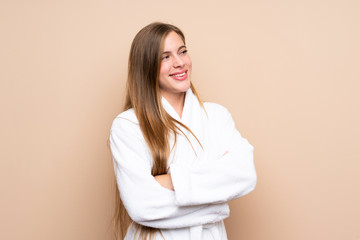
(165,57)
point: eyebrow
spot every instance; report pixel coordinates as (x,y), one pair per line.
(167,52)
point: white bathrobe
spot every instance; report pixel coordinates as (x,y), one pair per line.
(204,178)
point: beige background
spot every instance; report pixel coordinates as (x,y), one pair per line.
(287,70)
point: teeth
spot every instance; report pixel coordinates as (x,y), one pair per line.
(179,75)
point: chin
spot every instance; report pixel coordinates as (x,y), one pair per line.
(185,88)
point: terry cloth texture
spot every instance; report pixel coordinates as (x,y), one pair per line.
(204,176)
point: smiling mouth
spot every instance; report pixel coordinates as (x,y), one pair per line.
(178,75)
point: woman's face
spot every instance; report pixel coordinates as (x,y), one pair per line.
(175,68)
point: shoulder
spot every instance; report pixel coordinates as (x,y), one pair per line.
(218,115)
(125,120)
(216,110)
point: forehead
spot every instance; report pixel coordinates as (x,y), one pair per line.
(172,42)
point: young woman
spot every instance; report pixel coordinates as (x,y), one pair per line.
(177,160)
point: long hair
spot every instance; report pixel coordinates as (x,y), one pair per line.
(143,95)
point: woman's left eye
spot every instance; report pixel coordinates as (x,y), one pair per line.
(184,52)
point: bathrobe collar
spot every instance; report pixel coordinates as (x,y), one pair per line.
(194,117)
(188,104)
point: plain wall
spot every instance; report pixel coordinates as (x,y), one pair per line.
(287,70)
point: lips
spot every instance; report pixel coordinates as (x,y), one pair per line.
(179,76)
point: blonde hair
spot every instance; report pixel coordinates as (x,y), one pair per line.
(143,95)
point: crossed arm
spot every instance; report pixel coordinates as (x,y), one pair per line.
(186,196)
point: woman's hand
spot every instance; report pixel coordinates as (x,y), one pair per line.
(165,181)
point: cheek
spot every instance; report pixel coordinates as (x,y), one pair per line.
(164,73)
(164,69)
(188,62)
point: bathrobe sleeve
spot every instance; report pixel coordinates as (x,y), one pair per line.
(219,178)
(146,201)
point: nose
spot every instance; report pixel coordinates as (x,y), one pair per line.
(178,62)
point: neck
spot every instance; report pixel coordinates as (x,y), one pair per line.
(176,101)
